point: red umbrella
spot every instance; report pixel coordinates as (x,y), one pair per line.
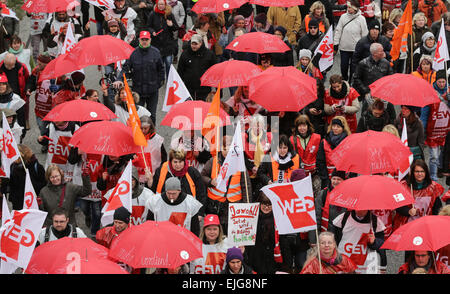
(258,42)
(428,233)
(95,50)
(215,6)
(369,153)
(278,3)
(404,89)
(72,256)
(80,110)
(190,115)
(230,73)
(282,89)
(58,67)
(105,137)
(370,193)
(48,6)
(156,244)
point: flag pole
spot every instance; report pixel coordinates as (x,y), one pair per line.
(318,251)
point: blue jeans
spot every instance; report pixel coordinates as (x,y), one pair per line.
(93,210)
(346,61)
(436,157)
(167,60)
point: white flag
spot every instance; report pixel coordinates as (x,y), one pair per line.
(326,49)
(119,196)
(404,165)
(108,4)
(176,91)
(30,197)
(6,268)
(19,234)
(10,151)
(292,205)
(234,161)
(441,53)
(70,40)
(6,12)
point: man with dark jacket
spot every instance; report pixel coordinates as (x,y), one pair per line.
(312,39)
(193,63)
(363,45)
(146,70)
(374,118)
(368,71)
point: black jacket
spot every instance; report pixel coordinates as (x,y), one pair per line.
(370,122)
(146,69)
(362,49)
(368,71)
(192,65)
(164,39)
(284,59)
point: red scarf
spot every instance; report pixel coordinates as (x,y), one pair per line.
(180,173)
(160,11)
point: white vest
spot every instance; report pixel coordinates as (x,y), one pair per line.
(15,104)
(354,240)
(127,20)
(139,209)
(180,214)
(123,115)
(213,260)
(58,151)
(154,149)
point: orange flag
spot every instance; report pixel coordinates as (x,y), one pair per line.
(134,122)
(400,38)
(211,124)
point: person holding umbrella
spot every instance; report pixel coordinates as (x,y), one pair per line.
(423,259)
(72,88)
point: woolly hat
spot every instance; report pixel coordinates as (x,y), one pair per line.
(281,30)
(173,183)
(122,214)
(427,58)
(196,39)
(3,78)
(112,22)
(440,74)
(313,23)
(304,53)
(234,253)
(298,174)
(373,25)
(338,122)
(338,173)
(427,35)
(261,18)
(44,57)
(77,77)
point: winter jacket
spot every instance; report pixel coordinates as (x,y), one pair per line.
(246,270)
(370,122)
(438,268)
(368,71)
(51,197)
(142,13)
(341,265)
(146,70)
(191,66)
(433,10)
(289,18)
(415,131)
(362,49)
(349,30)
(164,40)
(310,42)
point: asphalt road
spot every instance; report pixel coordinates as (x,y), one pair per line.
(395,259)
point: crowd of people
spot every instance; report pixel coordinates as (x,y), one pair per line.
(180,182)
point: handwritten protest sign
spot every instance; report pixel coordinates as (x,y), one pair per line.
(242,223)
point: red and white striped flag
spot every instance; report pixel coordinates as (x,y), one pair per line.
(108,4)
(326,49)
(70,40)
(10,151)
(441,53)
(176,91)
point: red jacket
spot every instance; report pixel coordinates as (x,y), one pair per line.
(440,268)
(106,235)
(309,154)
(345,266)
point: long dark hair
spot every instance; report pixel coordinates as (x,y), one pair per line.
(412,179)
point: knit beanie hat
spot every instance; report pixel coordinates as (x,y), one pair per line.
(304,53)
(77,77)
(234,253)
(282,30)
(313,23)
(426,36)
(122,214)
(374,24)
(440,74)
(338,173)
(298,174)
(173,183)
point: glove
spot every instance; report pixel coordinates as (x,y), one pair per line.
(54,87)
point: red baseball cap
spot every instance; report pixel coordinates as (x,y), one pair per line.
(144,35)
(3,78)
(211,219)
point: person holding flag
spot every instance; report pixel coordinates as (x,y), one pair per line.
(415,130)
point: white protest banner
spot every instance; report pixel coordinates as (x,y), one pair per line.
(242,223)
(19,234)
(10,151)
(176,91)
(30,197)
(326,49)
(292,205)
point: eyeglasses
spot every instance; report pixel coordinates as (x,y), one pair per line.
(55,177)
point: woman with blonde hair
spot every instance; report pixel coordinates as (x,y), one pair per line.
(419,28)
(326,259)
(58,193)
(317,12)
(395,16)
(337,131)
(391,129)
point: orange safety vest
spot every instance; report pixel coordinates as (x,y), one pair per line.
(163,175)
(288,172)
(321,24)
(234,191)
